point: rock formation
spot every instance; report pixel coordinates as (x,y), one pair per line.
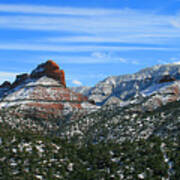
(51,70)
(43,93)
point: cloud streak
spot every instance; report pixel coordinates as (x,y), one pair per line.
(33,9)
(97,25)
(79,48)
(94,30)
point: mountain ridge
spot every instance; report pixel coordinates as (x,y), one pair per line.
(125,87)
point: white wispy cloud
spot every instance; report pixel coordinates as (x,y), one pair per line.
(109,58)
(76,82)
(121,37)
(99,55)
(40,9)
(109,38)
(79,48)
(76,59)
(96,25)
(130,24)
(88,29)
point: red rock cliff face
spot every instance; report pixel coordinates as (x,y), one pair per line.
(50,69)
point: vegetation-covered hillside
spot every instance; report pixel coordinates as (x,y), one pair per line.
(118,124)
(26,155)
(111,143)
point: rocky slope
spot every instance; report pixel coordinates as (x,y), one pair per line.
(160,79)
(44,92)
(119,124)
(81,89)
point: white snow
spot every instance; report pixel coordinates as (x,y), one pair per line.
(39,177)
(155,87)
(141,176)
(70,167)
(123,86)
(46,81)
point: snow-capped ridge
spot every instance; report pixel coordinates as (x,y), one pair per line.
(124,87)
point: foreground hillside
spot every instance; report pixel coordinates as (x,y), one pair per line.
(118,124)
(27,155)
(111,143)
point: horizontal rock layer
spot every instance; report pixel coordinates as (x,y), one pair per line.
(43,93)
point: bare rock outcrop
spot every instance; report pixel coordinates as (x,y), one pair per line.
(51,70)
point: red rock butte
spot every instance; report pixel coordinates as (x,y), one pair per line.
(51,70)
(42,97)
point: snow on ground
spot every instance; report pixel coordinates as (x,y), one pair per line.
(155,87)
(46,81)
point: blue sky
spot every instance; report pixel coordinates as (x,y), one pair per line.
(89,40)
